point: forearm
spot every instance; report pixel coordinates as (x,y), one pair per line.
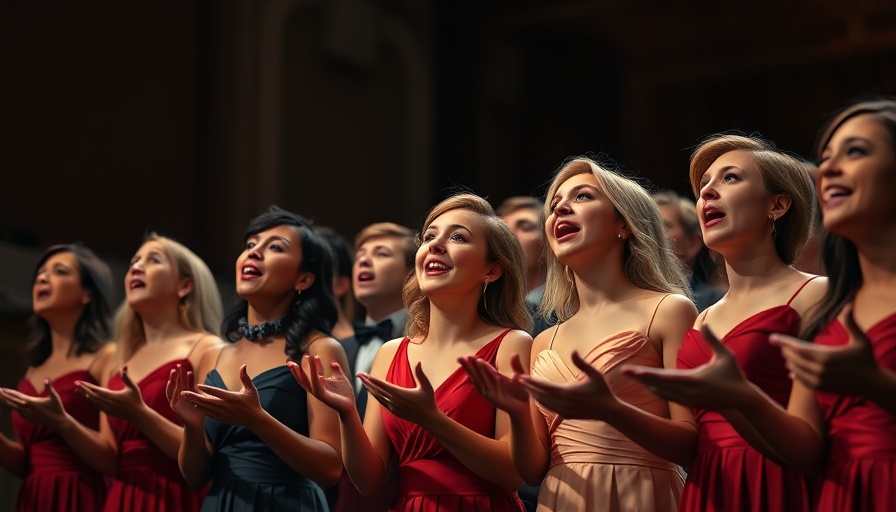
(90,446)
(777,434)
(194,457)
(364,465)
(312,458)
(163,433)
(672,440)
(529,452)
(488,458)
(12,456)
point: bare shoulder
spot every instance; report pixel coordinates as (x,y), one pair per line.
(674,316)
(384,357)
(515,342)
(208,358)
(204,345)
(105,361)
(326,347)
(811,294)
(676,304)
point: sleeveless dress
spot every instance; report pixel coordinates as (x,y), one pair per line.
(148,480)
(56,478)
(430,479)
(246,473)
(728,474)
(861,468)
(593,466)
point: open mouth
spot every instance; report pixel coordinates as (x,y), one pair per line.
(249,270)
(435,267)
(832,193)
(43,294)
(710,215)
(564,229)
(136,283)
(364,277)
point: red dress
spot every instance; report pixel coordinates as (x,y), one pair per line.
(148,480)
(56,478)
(861,469)
(430,479)
(727,473)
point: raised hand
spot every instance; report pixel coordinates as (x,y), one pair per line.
(335,390)
(415,404)
(850,369)
(590,398)
(503,392)
(125,403)
(46,410)
(712,386)
(232,407)
(180,380)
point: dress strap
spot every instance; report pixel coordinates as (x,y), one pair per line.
(801,288)
(557,328)
(196,344)
(657,308)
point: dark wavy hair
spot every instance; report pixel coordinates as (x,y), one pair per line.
(92,328)
(315,309)
(840,255)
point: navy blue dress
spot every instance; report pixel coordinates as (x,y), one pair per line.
(246,474)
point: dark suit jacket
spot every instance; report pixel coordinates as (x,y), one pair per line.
(350,345)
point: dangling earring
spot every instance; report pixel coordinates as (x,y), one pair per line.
(771,217)
(298,301)
(484,301)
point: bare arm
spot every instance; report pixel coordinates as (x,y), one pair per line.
(366,449)
(673,438)
(194,456)
(488,458)
(528,438)
(12,455)
(313,456)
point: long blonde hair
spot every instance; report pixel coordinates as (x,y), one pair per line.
(648,259)
(200,309)
(504,303)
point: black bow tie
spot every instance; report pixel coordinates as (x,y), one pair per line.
(365,332)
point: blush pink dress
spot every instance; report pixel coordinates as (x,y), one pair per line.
(593,466)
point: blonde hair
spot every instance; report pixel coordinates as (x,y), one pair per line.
(200,309)
(648,260)
(390,229)
(503,303)
(781,174)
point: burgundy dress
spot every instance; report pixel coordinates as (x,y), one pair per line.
(861,469)
(727,473)
(148,480)
(430,479)
(56,479)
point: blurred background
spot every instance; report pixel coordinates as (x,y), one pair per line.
(190,117)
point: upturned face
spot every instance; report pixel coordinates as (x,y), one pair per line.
(57,286)
(379,270)
(269,266)
(733,206)
(152,278)
(857,177)
(452,255)
(582,220)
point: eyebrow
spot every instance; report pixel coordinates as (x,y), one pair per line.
(578,188)
(451,227)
